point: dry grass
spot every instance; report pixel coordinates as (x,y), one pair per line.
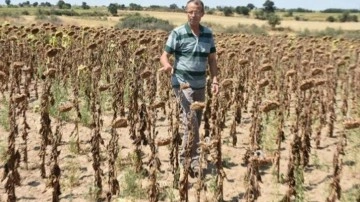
(81,21)
(179,18)
(315,16)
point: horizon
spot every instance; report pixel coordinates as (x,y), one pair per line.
(316,5)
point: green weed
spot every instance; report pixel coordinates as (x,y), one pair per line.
(131,185)
(4,111)
(3,152)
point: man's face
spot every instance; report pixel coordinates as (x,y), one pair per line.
(194,13)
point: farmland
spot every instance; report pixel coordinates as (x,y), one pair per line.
(86,116)
(315,21)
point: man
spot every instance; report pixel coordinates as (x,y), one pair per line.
(193,47)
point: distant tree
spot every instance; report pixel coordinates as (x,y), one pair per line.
(173,6)
(26,3)
(300,10)
(242,10)
(289,13)
(210,12)
(25,12)
(344,17)
(8,2)
(228,11)
(269,6)
(339,10)
(354,18)
(45,4)
(60,4)
(85,6)
(112,8)
(154,6)
(66,6)
(260,14)
(330,19)
(135,7)
(121,6)
(35,4)
(219,8)
(250,6)
(273,20)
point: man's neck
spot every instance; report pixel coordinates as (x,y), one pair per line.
(195,29)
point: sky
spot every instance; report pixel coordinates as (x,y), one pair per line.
(307,4)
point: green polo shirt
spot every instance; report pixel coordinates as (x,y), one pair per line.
(191,55)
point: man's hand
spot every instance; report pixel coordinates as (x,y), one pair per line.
(164,60)
(166,69)
(215,88)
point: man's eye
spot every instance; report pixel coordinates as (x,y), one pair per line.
(193,12)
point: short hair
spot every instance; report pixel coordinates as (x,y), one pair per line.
(198,3)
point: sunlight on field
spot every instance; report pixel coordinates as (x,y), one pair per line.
(302,25)
(314,16)
(179,18)
(33,10)
(67,20)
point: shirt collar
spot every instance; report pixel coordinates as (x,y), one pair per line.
(188,28)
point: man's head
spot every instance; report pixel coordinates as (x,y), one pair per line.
(195,11)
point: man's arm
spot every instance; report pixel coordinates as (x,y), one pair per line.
(213,72)
(213,67)
(164,60)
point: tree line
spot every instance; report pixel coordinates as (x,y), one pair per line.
(61,4)
(227,10)
(266,12)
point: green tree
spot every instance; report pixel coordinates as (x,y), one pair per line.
(112,8)
(8,2)
(46,4)
(250,6)
(260,14)
(67,6)
(35,4)
(135,7)
(137,21)
(173,6)
(228,11)
(242,10)
(344,17)
(60,4)
(121,6)
(330,19)
(269,6)
(26,3)
(289,13)
(273,20)
(354,18)
(85,6)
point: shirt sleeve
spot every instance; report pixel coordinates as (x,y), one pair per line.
(171,43)
(212,43)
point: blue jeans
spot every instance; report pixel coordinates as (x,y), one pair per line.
(186,98)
